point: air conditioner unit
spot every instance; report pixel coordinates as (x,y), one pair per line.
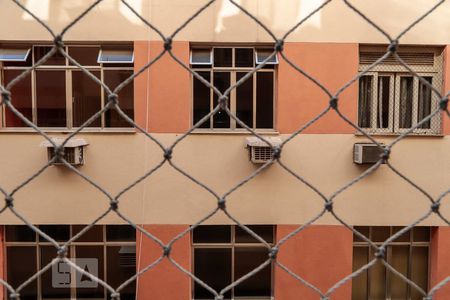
(259,152)
(73,151)
(366,153)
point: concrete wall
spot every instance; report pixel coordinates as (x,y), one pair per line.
(223,22)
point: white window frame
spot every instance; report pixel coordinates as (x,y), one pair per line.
(38,244)
(233,245)
(68,68)
(396,71)
(232,96)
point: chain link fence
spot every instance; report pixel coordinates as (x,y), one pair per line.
(392,53)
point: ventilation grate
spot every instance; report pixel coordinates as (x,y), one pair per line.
(261,153)
(416,58)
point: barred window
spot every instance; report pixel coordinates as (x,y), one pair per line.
(392,100)
(57,94)
(252,101)
(108,250)
(409,255)
(235,253)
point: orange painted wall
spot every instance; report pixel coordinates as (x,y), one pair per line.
(169,90)
(300,100)
(321,255)
(440,261)
(445,118)
(141,56)
(164,281)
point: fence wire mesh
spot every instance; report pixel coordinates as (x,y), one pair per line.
(167,153)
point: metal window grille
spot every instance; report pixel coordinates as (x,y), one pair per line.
(112,103)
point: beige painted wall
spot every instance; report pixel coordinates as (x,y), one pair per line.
(220,161)
(223,22)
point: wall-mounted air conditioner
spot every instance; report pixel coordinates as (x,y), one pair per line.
(259,152)
(74,151)
(366,153)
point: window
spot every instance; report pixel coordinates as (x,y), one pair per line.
(57,94)
(409,254)
(391,100)
(235,253)
(110,249)
(252,102)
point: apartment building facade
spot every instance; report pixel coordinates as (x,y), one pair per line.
(222,45)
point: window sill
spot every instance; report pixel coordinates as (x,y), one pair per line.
(68,131)
(235,131)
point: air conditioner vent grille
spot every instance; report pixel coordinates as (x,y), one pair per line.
(261,153)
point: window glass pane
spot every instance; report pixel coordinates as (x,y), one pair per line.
(86,98)
(421,234)
(377,275)
(20,98)
(365,101)
(359,283)
(380,233)
(48,253)
(212,266)
(94,234)
(51,98)
(56,59)
(19,233)
(246,260)
(121,266)
(221,82)
(202,94)
(21,265)
(244,100)
(364,230)
(201,56)
(263,54)
(212,234)
(126,98)
(56,232)
(419,270)
(264,100)
(406,102)
(406,237)
(95,253)
(244,57)
(116,56)
(424,104)
(383,101)
(125,233)
(223,57)
(14,54)
(399,261)
(86,56)
(264,231)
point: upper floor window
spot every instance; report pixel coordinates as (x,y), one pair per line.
(252,101)
(391,100)
(408,254)
(105,251)
(57,94)
(222,254)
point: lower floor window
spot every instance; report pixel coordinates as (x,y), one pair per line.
(222,254)
(108,252)
(409,255)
